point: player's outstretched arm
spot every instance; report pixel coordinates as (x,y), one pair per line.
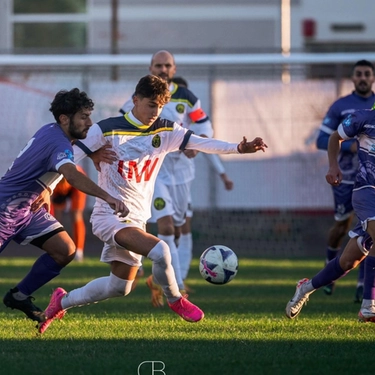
(257,144)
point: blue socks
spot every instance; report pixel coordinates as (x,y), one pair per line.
(369,285)
(361,273)
(44,269)
(330,273)
(331,253)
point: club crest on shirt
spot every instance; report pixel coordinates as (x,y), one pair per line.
(66,154)
(347,121)
(156,141)
(180,108)
(159,203)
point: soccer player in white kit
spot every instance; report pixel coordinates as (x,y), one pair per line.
(171,199)
(141,139)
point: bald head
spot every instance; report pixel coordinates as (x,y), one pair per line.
(162,54)
(163,65)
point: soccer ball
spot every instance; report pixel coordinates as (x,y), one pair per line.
(218,264)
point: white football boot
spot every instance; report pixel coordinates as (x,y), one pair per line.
(294,306)
(367,311)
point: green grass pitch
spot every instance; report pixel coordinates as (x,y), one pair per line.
(244,331)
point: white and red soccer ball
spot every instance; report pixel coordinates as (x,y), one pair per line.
(218,264)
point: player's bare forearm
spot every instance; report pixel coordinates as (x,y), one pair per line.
(228,184)
(334,175)
(333,148)
(81,182)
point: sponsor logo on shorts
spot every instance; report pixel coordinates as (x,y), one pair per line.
(159,203)
(156,141)
(180,108)
(49,217)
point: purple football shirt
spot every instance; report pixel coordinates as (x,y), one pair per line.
(34,169)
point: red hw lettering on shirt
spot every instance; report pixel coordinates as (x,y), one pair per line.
(133,170)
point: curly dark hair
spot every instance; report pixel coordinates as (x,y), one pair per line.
(154,88)
(69,103)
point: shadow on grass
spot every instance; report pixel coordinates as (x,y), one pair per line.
(259,288)
(188,357)
(244,331)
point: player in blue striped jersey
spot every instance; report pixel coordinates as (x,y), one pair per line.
(361,98)
(360,126)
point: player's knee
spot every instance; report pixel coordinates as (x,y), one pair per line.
(168,231)
(347,264)
(166,226)
(353,254)
(118,287)
(160,253)
(64,256)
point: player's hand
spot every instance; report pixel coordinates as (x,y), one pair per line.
(228,184)
(118,206)
(354,147)
(190,153)
(44,200)
(104,154)
(334,175)
(255,145)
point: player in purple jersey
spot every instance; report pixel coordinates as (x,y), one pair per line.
(24,217)
(141,139)
(361,98)
(360,126)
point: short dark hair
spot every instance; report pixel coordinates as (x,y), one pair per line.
(180,81)
(153,87)
(69,103)
(364,63)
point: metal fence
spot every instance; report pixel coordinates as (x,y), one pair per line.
(280,198)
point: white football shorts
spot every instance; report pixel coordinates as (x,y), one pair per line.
(105,225)
(170,200)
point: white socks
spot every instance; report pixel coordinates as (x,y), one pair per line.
(112,286)
(169,240)
(163,272)
(185,253)
(97,290)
